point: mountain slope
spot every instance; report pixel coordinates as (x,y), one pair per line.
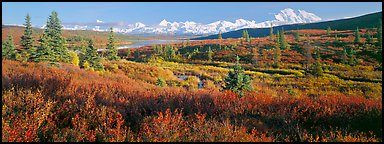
(365,21)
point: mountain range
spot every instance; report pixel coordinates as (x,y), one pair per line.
(190,28)
(371,20)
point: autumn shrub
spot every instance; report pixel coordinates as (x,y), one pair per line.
(173,127)
(65,103)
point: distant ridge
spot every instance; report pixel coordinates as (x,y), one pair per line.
(365,21)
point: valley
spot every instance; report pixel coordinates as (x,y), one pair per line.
(274,84)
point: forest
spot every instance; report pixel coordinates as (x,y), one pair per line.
(306,85)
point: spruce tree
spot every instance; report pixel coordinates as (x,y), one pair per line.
(210,53)
(368,38)
(111,46)
(255,55)
(170,53)
(317,69)
(219,36)
(83,52)
(328,30)
(161,82)
(237,80)
(27,40)
(336,42)
(55,39)
(283,42)
(271,33)
(137,55)
(8,48)
(44,51)
(357,36)
(277,52)
(188,42)
(351,55)
(128,52)
(297,36)
(308,54)
(92,57)
(344,56)
(246,35)
(250,42)
(379,34)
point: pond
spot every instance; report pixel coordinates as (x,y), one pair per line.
(141,43)
(184,77)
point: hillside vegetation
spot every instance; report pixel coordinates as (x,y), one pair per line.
(72,36)
(308,85)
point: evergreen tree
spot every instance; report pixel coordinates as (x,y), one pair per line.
(44,52)
(55,39)
(219,36)
(308,54)
(246,35)
(271,33)
(210,53)
(368,38)
(27,41)
(237,80)
(92,57)
(328,30)
(83,52)
(283,42)
(111,46)
(170,53)
(255,55)
(277,53)
(183,45)
(137,54)
(357,36)
(317,69)
(250,42)
(351,56)
(188,42)
(336,42)
(379,34)
(8,48)
(344,56)
(161,82)
(128,52)
(297,36)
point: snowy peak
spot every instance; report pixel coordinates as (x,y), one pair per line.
(163,23)
(285,16)
(290,16)
(139,25)
(309,17)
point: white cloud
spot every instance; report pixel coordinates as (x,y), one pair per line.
(99,21)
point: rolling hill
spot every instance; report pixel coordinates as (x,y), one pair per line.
(365,21)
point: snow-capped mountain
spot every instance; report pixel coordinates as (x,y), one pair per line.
(286,16)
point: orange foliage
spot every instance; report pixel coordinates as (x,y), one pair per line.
(65,103)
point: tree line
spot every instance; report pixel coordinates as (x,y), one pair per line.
(52,47)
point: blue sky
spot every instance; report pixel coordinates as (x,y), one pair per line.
(153,12)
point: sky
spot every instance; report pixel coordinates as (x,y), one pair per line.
(151,13)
